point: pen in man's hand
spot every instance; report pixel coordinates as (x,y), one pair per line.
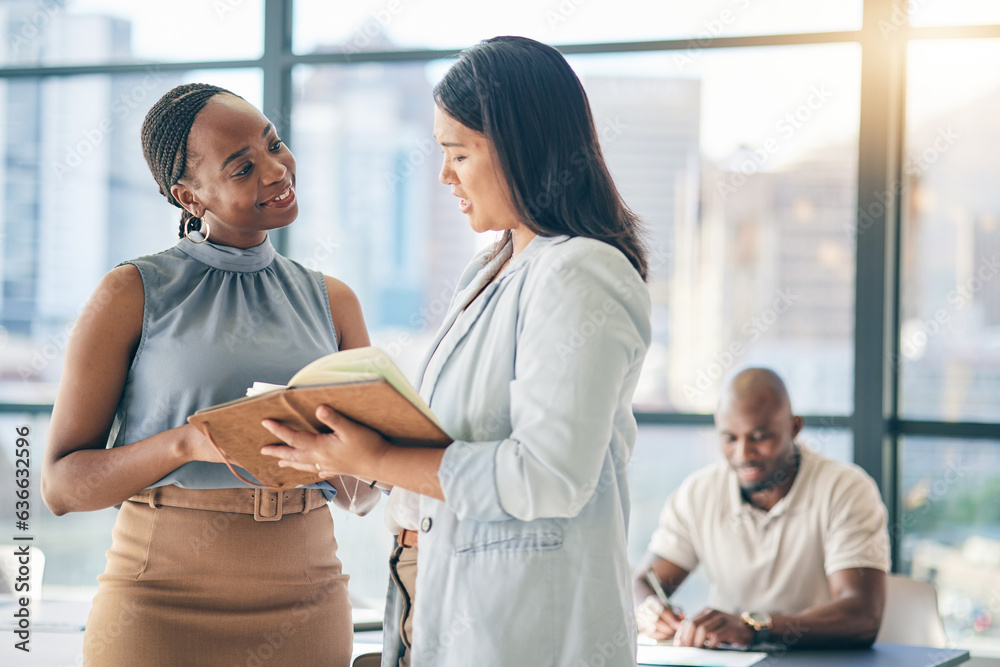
(654,583)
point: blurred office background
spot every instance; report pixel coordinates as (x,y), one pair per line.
(817,180)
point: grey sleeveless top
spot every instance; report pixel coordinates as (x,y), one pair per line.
(216,319)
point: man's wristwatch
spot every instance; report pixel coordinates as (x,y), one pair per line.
(760,623)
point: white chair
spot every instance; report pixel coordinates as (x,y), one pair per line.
(10,566)
(911,614)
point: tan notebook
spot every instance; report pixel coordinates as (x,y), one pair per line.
(362,383)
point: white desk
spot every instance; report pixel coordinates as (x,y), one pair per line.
(57,641)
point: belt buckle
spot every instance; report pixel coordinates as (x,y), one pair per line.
(407,538)
(260,496)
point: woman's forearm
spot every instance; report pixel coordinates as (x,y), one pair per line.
(92,479)
(411,468)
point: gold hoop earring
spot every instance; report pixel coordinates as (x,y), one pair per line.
(203,229)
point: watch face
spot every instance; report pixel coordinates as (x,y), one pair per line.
(760,619)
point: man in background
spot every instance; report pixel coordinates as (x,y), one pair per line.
(795,545)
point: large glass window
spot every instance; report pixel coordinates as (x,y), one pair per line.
(742,161)
(378,25)
(949,354)
(70,32)
(950,532)
(73,545)
(372,212)
(77,200)
(748,209)
(742,165)
(953,12)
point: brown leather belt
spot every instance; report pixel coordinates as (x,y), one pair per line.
(263,504)
(407,538)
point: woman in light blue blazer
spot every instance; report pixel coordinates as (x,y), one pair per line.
(522,521)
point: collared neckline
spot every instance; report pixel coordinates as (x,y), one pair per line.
(532,248)
(229,258)
(479,284)
(790,500)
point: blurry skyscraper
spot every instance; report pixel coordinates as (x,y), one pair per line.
(649,132)
(77,198)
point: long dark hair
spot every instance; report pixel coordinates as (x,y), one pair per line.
(526,99)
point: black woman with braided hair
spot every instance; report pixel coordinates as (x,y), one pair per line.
(204,569)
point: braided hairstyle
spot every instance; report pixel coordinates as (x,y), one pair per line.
(164,139)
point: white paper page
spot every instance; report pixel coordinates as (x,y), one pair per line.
(362,360)
(259,388)
(665,654)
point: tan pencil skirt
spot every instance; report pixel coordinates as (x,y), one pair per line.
(187,587)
